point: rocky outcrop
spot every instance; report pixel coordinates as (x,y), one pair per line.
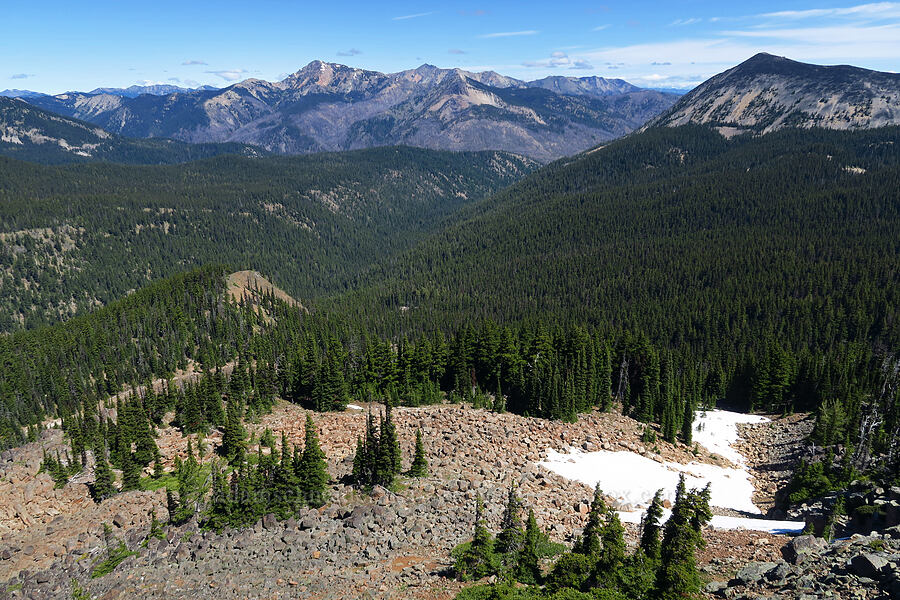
(867,507)
(858,567)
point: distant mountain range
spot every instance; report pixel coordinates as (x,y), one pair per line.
(326,106)
(766,93)
(130,92)
(33,134)
(332,107)
(20,94)
(160,89)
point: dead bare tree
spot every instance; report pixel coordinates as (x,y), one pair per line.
(874,417)
(623,380)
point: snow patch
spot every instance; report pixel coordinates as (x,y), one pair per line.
(633,479)
(354,407)
(716,430)
(724,522)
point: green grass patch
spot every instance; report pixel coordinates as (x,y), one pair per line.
(170,482)
(113,560)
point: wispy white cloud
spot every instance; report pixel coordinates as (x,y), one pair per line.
(229,74)
(188,63)
(20,76)
(683,22)
(455,51)
(559,60)
(601,27)
(503,34)
(415,16)
(864,35)
(350,52)
(875,10)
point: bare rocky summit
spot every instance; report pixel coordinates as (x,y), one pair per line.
(767,93)
(330,107)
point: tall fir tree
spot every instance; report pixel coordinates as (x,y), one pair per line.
(313,473)
(528,569)
(419,467)
(650,528)
(589,544)
(131,473)
(678,576)
(233,438)
(479,559)
(102,487)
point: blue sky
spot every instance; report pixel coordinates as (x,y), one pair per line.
(54,46)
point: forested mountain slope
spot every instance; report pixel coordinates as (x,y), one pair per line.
(30,133)
(753,255)
(78,236)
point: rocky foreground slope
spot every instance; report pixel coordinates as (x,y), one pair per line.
(326,107)
(858,567)
(767,93)
(390,545)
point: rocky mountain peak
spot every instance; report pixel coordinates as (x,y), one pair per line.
(330,106)
(767,92)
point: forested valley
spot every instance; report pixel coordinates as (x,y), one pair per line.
(657,276)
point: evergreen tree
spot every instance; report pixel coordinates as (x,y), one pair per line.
(612,551)
(528,568)
(191,487)
(191,418)
(131,473)
(233,438)
(220,503)
(687,422)
(678,576)
(419,466)
(511,537)
(650,528)
(367,450)
(589,544)
(103,478)
(313,473)
(387,462)
(478,560)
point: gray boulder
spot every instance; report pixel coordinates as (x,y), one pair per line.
(868,565)
(754,572)
(802,548)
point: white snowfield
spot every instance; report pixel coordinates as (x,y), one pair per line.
(354,407)
(633,479)
(723,522)
(716,430)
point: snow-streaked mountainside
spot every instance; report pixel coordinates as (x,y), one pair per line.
(766,93)
(327,106)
